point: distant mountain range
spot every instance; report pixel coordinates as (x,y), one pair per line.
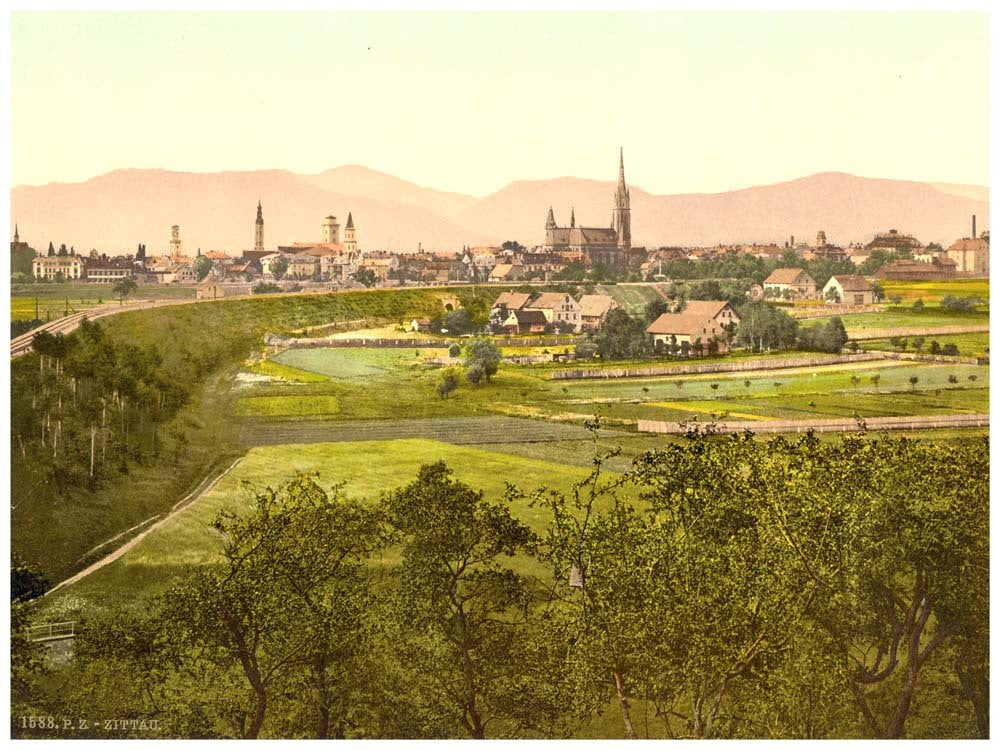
(216,211)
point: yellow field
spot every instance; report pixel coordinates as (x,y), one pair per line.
(23,308)
(933,291)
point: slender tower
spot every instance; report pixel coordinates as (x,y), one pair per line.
(621,216)
(350,236)
(258,234)
(175,242)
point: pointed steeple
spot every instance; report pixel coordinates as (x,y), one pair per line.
(621,221)
(260,213)
(350,221)
(572,217)
(16,237)
(550,221)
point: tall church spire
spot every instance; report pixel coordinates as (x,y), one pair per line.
(16,237)
(550,222)
(258,231)
(622,219)
(572,217)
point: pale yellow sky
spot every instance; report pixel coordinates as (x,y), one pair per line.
(701,102)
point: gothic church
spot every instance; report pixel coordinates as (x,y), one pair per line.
(600,245)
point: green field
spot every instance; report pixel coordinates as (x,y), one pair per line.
(284,372)
(369,469)
(969,344)
(632,298)
(354,362)
(901,317)
(395,384)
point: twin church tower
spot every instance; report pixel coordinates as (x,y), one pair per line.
(331,232)
(608,246)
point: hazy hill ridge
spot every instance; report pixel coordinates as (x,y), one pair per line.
(115,211)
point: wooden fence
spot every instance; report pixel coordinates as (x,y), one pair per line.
(940,358)
(818,425)
(712,367)
(271,339)
(867,334)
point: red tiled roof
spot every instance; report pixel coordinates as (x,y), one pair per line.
(512,300)
(548,301)
(684,324)
(853,283)
(595,305)
(787,276)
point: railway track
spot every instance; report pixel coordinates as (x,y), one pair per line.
(22,344)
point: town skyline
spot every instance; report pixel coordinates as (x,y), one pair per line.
(709,100)
(215,208)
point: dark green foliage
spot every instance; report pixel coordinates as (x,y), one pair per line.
(447,384)
(457,322)
(459,605)
(123,288)
(825,337)
(19,327)
(623,337)
(147,381)
(763,326)
(960,304)
(203,265)
(482,359)
(265,287)
(20,261)
(365,276)
(724,587)
(26,583)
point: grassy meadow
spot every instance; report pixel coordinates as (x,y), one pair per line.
(367,470)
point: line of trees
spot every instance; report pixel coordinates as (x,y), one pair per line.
(762,327)
(94,404)
(719,588)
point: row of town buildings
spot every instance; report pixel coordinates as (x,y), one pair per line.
(517,312)
(338,258)
(792,284)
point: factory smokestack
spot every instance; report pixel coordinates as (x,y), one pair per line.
(973,226)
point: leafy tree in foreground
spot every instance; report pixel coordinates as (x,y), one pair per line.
(910,564)
(286,609)
(459,605)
